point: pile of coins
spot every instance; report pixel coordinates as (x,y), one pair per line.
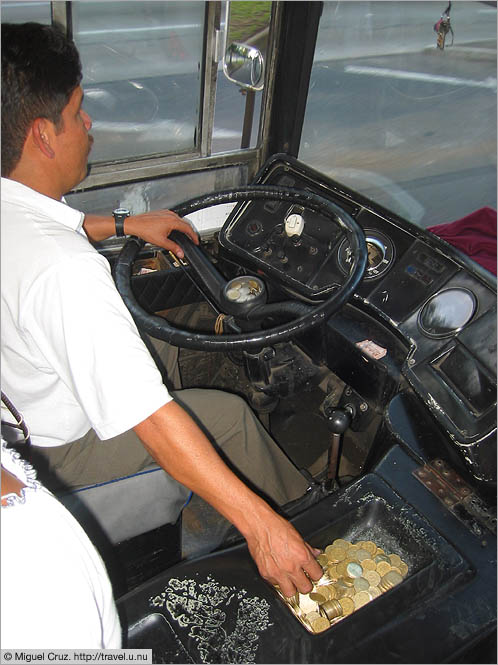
(353,575)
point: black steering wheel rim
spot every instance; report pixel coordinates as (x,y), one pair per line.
(160,328)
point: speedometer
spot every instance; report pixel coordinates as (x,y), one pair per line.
(380,254)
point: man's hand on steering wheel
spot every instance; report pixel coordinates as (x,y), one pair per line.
(155,228)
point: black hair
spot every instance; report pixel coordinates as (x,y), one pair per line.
(40,69)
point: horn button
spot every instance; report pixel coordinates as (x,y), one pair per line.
(243,293)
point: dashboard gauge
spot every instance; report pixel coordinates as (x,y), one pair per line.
(380,257)
(447,312)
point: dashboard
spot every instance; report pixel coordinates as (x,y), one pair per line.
(430,309)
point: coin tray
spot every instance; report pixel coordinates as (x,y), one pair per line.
(377,521)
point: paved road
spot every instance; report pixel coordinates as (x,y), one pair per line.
(415,132)
(412,127)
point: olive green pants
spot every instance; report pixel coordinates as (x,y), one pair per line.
(227,421)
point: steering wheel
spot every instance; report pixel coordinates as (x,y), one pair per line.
(245,297)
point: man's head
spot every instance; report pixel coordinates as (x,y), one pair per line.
(41,74)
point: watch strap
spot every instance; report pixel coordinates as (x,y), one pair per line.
(119,223)
(119,220)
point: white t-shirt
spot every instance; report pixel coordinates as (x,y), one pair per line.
(72,358)
(56,593)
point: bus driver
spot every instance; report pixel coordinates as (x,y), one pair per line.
(73,361)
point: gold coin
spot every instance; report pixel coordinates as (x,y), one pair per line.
(361,598)
(361,584)
(382,557)
(353,547)
(340,542)
(384,586)
(341,590)
(368,564)
(397,570)
(322,591)
(341,568)
(373,591)
(332,572)
(403,568)
(311,616)
(319,597)
(372,576)
(347,605)
(320,624)
(330,591)
(335,554)
(383,567)
(323,560)
(370,546)
(305,622)
(362,554)
(392,577)
(395,559)
(331,609)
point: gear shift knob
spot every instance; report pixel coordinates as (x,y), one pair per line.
(339,420)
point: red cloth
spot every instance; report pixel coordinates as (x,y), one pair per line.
(474,234)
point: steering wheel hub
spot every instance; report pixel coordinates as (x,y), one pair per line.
(241,294)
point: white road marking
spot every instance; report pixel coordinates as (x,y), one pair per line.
(489,82)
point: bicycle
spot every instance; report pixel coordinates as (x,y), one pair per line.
(443,27)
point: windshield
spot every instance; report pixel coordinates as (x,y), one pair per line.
(408,125)
(389,114)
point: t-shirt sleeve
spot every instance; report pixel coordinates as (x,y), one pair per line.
(89,339)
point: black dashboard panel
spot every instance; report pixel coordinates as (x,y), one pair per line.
(305,262)
(454,372)
(417,273)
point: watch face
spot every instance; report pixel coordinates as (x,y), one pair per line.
(121,211)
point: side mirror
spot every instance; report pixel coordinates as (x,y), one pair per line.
(244,65)
(247,28)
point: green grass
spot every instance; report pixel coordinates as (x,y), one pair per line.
(248,18)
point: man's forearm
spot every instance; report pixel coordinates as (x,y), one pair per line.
(154,227)
(98,227)
(180,447)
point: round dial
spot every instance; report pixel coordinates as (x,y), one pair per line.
(380,254)
(447,312)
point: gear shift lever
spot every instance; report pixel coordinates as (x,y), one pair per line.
(338,422)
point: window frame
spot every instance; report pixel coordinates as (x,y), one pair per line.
(145,168)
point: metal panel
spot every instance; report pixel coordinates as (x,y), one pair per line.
(212,27)
(61,13)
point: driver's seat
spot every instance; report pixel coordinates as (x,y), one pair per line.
(134,522)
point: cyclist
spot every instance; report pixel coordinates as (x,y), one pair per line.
(442,27)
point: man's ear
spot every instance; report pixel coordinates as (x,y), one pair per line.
(42,131)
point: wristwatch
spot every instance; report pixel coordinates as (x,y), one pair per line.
(120,214)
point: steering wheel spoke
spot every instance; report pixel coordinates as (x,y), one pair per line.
(210,280)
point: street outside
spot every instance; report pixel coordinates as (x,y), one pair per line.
(404,123)
(388,114)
